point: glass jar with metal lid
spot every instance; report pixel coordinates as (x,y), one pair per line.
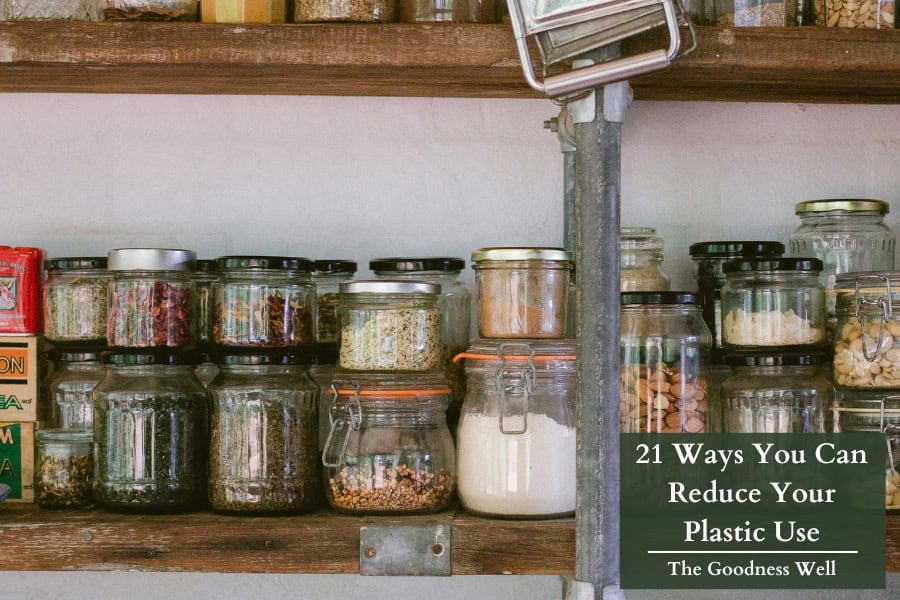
(389,325)
(264,302)
(150,433)
(641,255)
(328,277)
(664,343)
(263,449)
(773,303)
(70,388)
(151,298)
(75,301)
(516,434)
(522,292)
(389,450)
(63,468)
(776,393)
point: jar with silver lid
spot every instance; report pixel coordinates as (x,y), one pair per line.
(641,252)
(75,301)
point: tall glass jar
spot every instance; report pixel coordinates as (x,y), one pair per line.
(641,252)
(150,434)
(775,302)
(522,292)
(63,468)
(75,375)
(75,301)
(516,434)
(328,277)
(664,343)
(263,449)
(151,298)
(389,450)
(264,302)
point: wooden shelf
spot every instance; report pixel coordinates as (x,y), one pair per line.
(741,64)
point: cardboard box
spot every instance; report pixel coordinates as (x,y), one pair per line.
(19,378)
(17,460)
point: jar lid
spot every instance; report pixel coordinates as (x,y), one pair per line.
(389,286)
(414,264)
(842,204)
(205,265)
(748,248)
(64,435)
(151,259)
(775,360)
(639,238)
(283,263)
(76,355)
(259,358)
(389,385)
(657,298)
(76,263)
(522,253)
(143,357)
(327,266)
(773,264)
(540,350)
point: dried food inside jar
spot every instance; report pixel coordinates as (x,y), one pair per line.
(401,339)
(327,324)
(262,316)
(364,11)
(379,484)
(63,474)
(151,10)
(661,398)
(77,311)
(149,312)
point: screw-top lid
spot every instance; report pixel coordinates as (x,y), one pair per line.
(142,357)
(773,264)
(414,264)
(842,204)
(389,286)
(284,263)
(258,358)
(635,298)
(151,259)
(522,253)
(640,238)
(774,360)
(76,263)
(737,249)
(59,436)
(206,265)
(327,266)
(76,355)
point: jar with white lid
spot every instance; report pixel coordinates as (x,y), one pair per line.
(70,389)
(75,301)
(328,277)
(641,255)
(516,434)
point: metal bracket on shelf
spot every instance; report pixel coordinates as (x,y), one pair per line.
(398,549)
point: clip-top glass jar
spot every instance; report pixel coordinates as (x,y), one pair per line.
(63,468)
(516,434)
(641,256)
(328,277)
(151,298)
(263,449)
(389,450)
(150,433)
(75,301)
(664,343)
(70,389)
(522,292)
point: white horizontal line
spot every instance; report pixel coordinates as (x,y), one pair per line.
(752,551)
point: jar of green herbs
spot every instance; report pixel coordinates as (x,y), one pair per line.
(75,301)
(63,468)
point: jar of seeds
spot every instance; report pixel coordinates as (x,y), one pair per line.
(75,301)
(63,468)
(75,375)
(328,277)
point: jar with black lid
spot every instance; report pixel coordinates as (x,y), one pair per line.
(75,301)
(328,277)
(70,389)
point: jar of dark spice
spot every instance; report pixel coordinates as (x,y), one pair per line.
(150,433)
(70,389)
(264,302)
(151,298)
(328,277)
(75,301)
(456,11)
(63,468)
(263,455)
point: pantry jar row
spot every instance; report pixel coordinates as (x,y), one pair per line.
(873,14)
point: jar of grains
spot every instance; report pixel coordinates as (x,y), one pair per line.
(663,345)
(773,302)
(641,252)
(328,277)
(151,298)
(70,389)
(63,468)
(263,449)
(363,11)
(389,450)
(75,301)
(522,292)
(389,326)
(264,302)
(516,433)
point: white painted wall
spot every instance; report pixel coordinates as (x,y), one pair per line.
(357,178)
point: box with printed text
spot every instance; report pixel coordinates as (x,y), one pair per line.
(19,378)
(17,460)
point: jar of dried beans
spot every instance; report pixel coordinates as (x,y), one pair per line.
(328,277)
(264,302)
(75,301)
(522,292)
(389,326)
(641,252)
(389,450)
(151,298)
(75,375)
(663,346)
(63,468)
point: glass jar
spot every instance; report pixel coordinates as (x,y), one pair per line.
(522,292)
(264,302)
(328,277)
(363,11)
(641,252)
(664,343)
(151,298)
(69,10)
(323,375)
(150,434)
(263,449)
(773,303)
(151,10)
(766,13)
(871,15)
(63,468)
(457,11)
(777,393)
(708,259)
(75,301)
(389,326)
(516,434)
(389,450)
(75,375)
(204,276)
(243,11)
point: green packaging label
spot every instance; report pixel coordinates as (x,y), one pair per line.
(11,458)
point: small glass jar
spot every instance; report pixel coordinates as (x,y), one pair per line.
(870,15)
(664,343)
(63,468)
(389,450)
(389,326)
(263,449)
(75,301)
(75,375)
(151,298)
(264,302)
(328,277)
(151,10)
(776,393)
(457,11)
(641,255)
(150,434)
(708,259)
(243,11)
(516,434)
(362,11)
(773,303)
(69,10)
(522,292)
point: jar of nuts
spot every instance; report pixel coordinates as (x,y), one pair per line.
(663,345)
